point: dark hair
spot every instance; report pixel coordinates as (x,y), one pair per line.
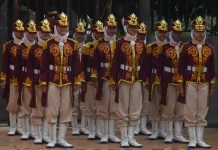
(51,8)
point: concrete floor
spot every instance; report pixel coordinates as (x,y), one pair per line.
(81,142)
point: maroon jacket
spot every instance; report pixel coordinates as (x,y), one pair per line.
(167,69)
(33,71)
(123,56)
(51,58)
(21,68)
(8,66)
(190,57)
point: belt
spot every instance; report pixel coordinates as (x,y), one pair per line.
(11,67)
(197,69)
(88,69)
(105,65)
(171,70)
(129,68)
(60,68)
(24,69)
(154,71)
(36,71)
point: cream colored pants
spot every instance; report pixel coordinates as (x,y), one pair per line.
(38,114)
(12,106)
(106,107)
(145,102)
(59,101)
(196,108)
(90,101)
(173,110)
(130,104)
(78,104)
(156,108)
(25,102)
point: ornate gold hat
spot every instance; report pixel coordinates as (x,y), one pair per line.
(142,28)
(199,24)
(176,26)
(162,26)
(132,20)
(62,20)
(80,28)
(44,26)
(111,21)
(31,27)
(98,27)
(18,26)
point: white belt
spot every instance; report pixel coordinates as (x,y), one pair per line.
(36,71)
(88,69)
(197,69)
(128,68)
(57,68)
(24,69)
(171,70)
(105,65)
(11,67)
(154,71)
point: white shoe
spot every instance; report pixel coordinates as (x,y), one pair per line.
(12,118)
(137,130)
(155,131)
(178,133)
(112,137)
(45,137)
(192,137)
(75,127)
(169,132)
(32,132)
(104,130)
(131,138)
(200,135)
(143,126)
(91,126)
(19,126)
(124,138)
(62,135)
(26,128)
(83,125)
(98,129)
(162,132)
(52,135)
(38,134)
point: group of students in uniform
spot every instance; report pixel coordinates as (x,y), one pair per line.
(115,83)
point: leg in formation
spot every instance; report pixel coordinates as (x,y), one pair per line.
(92,129)
(13,125)
(143,128)
(178,132)
(26,128)
(62,136)
(104,131)
(75,127)
(112,136)
(83,125)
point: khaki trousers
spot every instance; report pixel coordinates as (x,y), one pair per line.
(173,110)
(12,106)
(59,100)
(156,108)
(38,114)
(78,104)
(106,107)
(130,104)
(90,101)
(25,102)
(145,102)
(196,108)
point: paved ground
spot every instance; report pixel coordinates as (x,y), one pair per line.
(80,142)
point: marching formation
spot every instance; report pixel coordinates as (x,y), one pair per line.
(50,80)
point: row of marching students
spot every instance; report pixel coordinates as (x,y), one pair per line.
(109,80)
(176,78)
